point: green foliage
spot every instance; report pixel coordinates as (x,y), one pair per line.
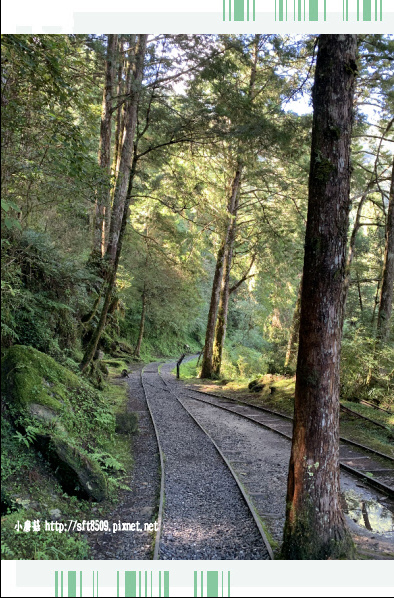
(29,437)
(40,545)
(44,295)
(367,369)
(243,362)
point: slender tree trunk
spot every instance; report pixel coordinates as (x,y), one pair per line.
(120,210)
(294,331)
(386,295)
(142,324)
(216,333)
(120,88)
(315,527)
(221,323)
(376,302)
(98,331)
(207,365)
(102,205)
(352,245)
(127,151)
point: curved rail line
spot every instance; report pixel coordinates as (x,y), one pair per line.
(248,502)
(161,455)
(368,419)
(355,472)
(284,416)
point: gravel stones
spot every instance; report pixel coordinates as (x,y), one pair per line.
(205,516)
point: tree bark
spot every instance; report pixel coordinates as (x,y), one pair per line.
(96,336)
(119,91)
(221,323)
(315,527)
(207,370)
(386,294)
(127,150)
(294,330)
(102,205)
(142,324)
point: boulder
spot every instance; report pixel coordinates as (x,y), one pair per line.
(79,470)
(41,392)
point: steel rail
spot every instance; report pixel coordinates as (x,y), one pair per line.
(162,475)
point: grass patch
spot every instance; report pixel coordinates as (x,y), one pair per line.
(188,370)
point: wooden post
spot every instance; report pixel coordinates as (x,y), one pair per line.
(179,363)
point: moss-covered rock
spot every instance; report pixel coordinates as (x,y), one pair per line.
(61,407)
(31,377)
(90,476)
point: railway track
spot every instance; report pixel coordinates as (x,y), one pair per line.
(155,396)
(353,457)
(162,473)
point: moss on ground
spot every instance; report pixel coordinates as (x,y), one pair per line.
(87,419)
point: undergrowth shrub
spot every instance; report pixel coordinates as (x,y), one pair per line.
(44,295)
(367,369)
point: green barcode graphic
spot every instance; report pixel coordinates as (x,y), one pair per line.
(214,586)
(305,10)
(140,583)
(130,583)
(239,10)
(72,583)
(366,10)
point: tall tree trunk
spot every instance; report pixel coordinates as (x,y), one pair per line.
(216,332)
(142,324)
(207,364)
(221,323)
(111,279)
(119,89)
(294,330)
(102,205)
(127,150)
(386,295)
(315,527)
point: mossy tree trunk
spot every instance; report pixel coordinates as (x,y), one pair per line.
(386,294)
(217,317)
(122,196)
(111,279)
(315,527)
(102,205)
(221,323)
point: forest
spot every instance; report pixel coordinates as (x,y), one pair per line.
(225,197)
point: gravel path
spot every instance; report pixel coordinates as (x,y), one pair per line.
(205,516)
(140,503)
